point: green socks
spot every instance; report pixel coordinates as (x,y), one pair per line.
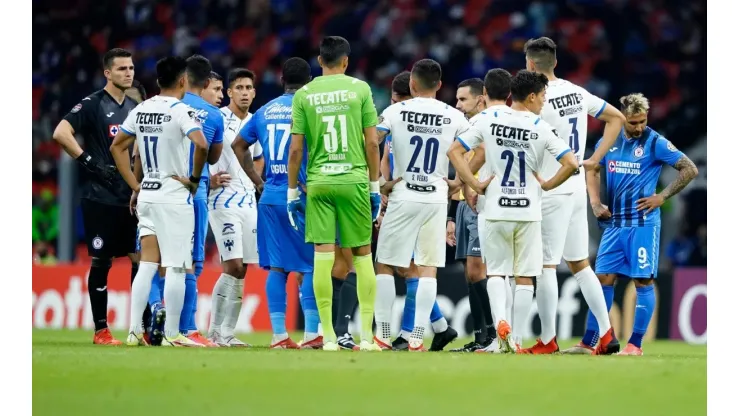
(323,290)
(366,289)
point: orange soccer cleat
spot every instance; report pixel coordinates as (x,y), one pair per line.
(200,339)
(602,347)
(286,344)
(541,348)
(631,349)
(383,345)
(314,344)
(104,337)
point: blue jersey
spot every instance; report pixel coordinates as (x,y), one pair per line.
(270,125)
(633,167)
(212,121)
(390,155)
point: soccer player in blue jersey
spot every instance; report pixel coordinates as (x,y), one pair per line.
(443,333)
(630,245)
(199,74)
(282,249)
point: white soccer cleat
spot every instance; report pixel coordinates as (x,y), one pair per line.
(180,341)
(369,346)
(134,340)
(492,348)
(579,349)
(232,341)
(216,338)
(330,346)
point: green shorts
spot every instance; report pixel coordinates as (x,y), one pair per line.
(339,210)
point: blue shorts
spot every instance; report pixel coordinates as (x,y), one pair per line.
(632,252)
(201,229)
(279,244)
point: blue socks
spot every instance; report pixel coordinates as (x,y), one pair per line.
(436,314)
(409,306)
(644,307)
(155,293)
(188,306)
(308,303)
(277,299)
(591,337)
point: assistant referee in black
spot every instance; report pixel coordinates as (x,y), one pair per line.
(110,229)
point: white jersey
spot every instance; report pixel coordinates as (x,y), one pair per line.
(485,171)
(517,143)
(240,184)
(567,109)
(423,129)
(161,125)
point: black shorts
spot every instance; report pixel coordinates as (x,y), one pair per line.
(110,230)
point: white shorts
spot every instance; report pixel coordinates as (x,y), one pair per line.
(235,231)
(513,248)
(413,229)
(564,227)
(173,225)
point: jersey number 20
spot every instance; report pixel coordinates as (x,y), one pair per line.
(431,150)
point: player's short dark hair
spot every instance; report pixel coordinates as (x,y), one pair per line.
(199,71)
(400,84)
(542,52)
(169,70)
(239,73)
(525,83)
(475,85)
(216,76)
(296,72)
(427,72)
(139,87)
(113,54)
(333,49)
(498,84)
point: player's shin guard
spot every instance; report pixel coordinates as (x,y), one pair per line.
(522,306)
(386,295)
(139,293)
(97,289)
(310,311)
(547,304)
(595,299)
(366,293)
(174,297)
(155,293)
(497,296)
(591,337)
(277,303)
(409,307)
(233,308)
(644,306)
(322,287)
(426,295)
(221,291)
(190,298)
(485,304)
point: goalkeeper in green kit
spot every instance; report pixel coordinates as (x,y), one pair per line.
(336,117)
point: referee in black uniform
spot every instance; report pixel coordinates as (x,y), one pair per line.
(110,229)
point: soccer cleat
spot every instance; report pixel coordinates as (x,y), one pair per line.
(313,344)
(200,339)
(134,340)
(369,346)
(232,341)
(330,346)
(180,341)
(346,342)
(631,349)
(603,346)
(383,343)
(471,346)
(613,347)
(417,348)
(159,314)
(216,338)
(505,341)
(491,348)
(400,344)
(579,349)
(442,339)
(541,348)
(104,337)
(285,344)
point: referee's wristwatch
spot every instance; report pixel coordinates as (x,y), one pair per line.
(195,180)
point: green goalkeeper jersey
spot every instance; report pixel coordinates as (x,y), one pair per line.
(332,111)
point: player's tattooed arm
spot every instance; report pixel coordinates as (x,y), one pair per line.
(687,171)
(241,150)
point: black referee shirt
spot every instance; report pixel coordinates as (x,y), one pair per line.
(97,119)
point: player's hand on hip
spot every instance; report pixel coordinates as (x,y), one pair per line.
(374,200)
(601,211)
(387,187)
(451,240)
(221,178)
(295,208)
(379,221)
(190,184)
(455,185)
(480,187)
(650,203)
(589,164)
(107,176)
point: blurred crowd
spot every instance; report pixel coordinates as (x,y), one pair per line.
(611,47)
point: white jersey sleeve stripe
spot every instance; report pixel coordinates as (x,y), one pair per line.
(563,153)
(603,106)
(126,131)
(192,130)
(462,142)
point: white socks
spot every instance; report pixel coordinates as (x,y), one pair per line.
(510,288)
(233,308)
(384,298)
(497,288)
(522,306)
(594,296)
(221,291)
(174,297)
(140,294)
(440,325)
(426,294)
(547,302)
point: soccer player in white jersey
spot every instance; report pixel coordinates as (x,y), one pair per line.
(233,215)
(415,222)
(564,222)
(162,126)
(517,143)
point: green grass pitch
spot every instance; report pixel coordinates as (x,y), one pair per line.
(73,377)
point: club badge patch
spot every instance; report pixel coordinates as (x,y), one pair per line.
(671,147)
(639,151)
(97,243)
(76,108)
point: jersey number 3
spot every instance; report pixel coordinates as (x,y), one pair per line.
(574,143)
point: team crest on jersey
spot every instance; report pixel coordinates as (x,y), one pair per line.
(446,120)
(612,166)
(352,94)
(97,243)
(76,108)
(228,229)
(112,130)
(639,151)
(671,147)
(229,244)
